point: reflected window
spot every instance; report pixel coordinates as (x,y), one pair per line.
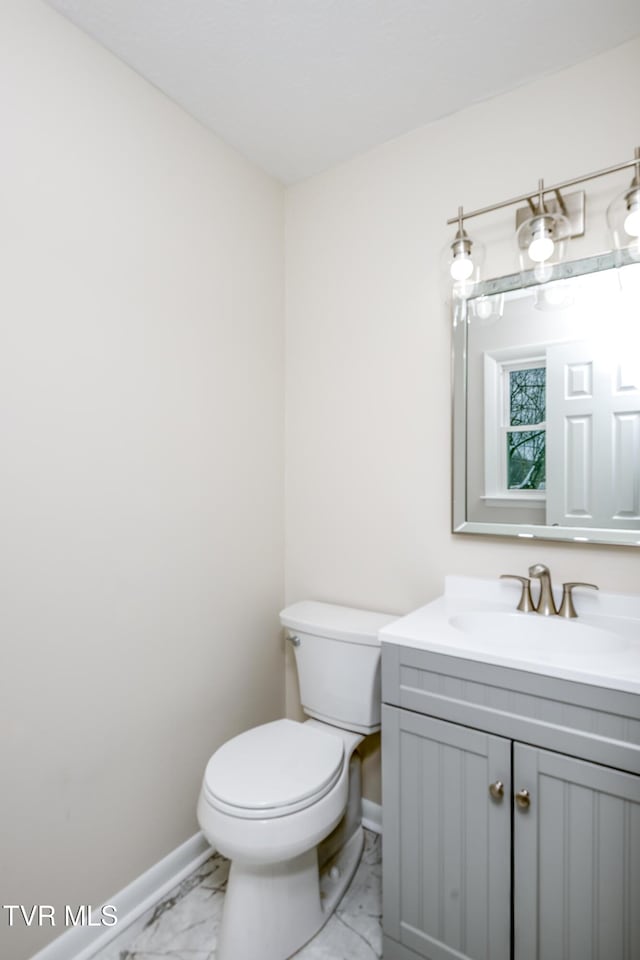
(525,388)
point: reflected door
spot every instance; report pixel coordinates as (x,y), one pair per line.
(593,437)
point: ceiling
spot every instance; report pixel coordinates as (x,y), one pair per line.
(298,85)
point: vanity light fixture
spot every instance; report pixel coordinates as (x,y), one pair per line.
(544,226)
(623,215)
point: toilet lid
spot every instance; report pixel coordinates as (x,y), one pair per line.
(273,769)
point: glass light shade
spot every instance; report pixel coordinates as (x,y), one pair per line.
(485,310)
(549,297)
(462,260)
(623,218)
(542,244)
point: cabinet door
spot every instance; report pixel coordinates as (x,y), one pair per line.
(576,860)
(447,843)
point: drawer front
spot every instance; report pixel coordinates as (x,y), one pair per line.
(585,721)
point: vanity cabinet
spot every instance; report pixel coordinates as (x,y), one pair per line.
(511,806)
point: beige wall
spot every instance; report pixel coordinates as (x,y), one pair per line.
(141,414)
(368,339)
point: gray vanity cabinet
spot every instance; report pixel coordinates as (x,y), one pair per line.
(511,806)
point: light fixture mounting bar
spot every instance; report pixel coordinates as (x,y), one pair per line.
(554,188)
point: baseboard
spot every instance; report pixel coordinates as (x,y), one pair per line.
(82,942)
(371,816)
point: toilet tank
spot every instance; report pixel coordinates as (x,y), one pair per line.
(338,660)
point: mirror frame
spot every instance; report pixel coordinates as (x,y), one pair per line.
(460,523)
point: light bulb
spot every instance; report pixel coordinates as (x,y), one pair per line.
(543,271)
(551,296)
(540,248)
(632,220)
(461,267)
(484,307)
(623,217)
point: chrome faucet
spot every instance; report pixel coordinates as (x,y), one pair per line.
(545,606)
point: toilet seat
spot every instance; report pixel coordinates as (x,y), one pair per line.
(273,770)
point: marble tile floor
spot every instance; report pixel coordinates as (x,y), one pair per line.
(184,925)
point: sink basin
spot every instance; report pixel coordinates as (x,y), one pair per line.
(544,636)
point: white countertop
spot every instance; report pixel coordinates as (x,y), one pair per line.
(601,646)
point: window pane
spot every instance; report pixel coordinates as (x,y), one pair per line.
(527,396)
(526,460)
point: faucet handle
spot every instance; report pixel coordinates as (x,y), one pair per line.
(526,602)
(567,608)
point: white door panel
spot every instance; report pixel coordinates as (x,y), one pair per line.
(593,438)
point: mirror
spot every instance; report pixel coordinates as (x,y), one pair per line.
(546,404)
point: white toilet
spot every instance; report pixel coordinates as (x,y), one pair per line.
(282,800)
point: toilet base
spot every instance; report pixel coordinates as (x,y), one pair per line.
(338,873)
(271,911)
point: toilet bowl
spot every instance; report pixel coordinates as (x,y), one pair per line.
(270,831)
(281,799)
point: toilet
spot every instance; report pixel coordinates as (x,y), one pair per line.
(282,800)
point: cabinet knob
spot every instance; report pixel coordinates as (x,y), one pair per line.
(523,799)
(497,790)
